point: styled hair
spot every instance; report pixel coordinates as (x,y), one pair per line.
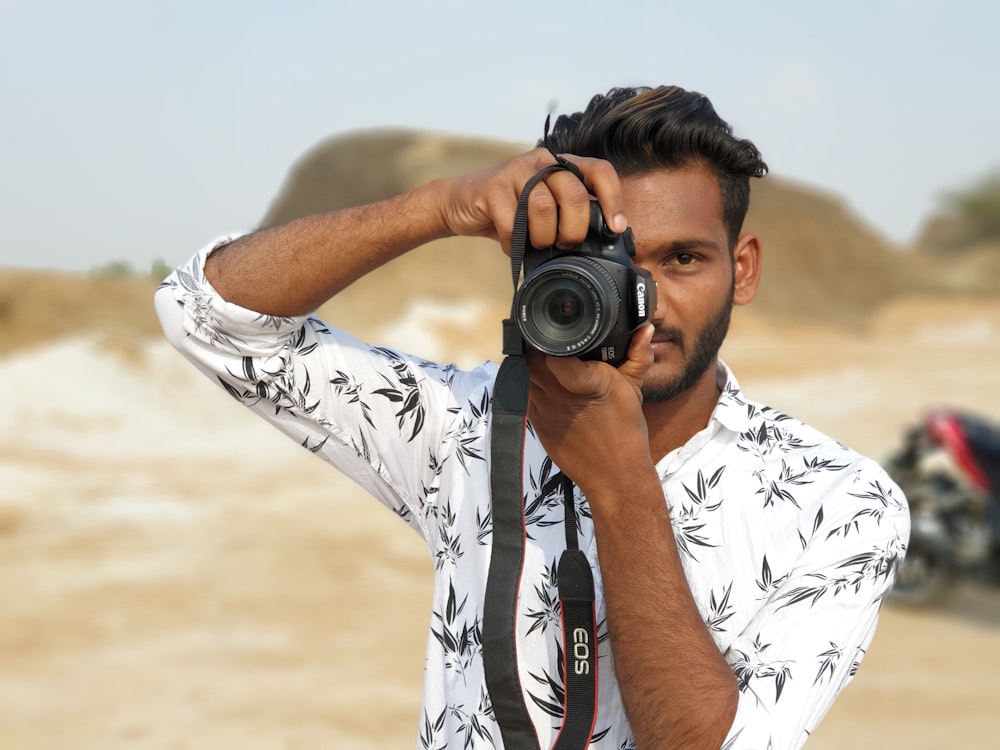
(642,129)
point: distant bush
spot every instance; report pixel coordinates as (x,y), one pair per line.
(116,269)
(977,207)
(122,269)
(159,270)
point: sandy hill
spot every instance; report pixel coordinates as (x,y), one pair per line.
(821,263)
(39,306)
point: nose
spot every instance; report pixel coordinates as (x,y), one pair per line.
(660,309)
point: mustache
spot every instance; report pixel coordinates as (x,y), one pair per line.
(668,334)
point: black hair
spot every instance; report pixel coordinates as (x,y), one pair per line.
(643,129)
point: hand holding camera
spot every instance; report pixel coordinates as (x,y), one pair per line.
(588,301)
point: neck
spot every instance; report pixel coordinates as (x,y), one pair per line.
(672,423)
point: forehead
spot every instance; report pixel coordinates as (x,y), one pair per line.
(683,202)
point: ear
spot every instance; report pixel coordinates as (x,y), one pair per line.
(746,268)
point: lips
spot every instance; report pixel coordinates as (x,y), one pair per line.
(663,339)
(667,337)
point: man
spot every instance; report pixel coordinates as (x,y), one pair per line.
(740,556)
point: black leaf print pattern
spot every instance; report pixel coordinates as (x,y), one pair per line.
(885,500)
(298,342)
(460,641)
(700,494)
(484,525)
(749,668)
(449,548)
(541,482)
(468,438)
(554,701)
(278,385)
(243,396)
(687,519)
(828,665)
(686,532)
(546,509)
(776,489)
(344,385)
(818,520)
(547,613)
(720,610)
(767,583)
(856,571)
(857,662)
(475,724)
(430,732)
(406,393)
(314,448)
(600,735)
(767,438)
(757,441)
(435,466)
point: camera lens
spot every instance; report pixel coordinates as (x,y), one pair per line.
(567,306)
(563,308)
(561,311)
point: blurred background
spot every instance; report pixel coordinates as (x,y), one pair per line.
(172,574)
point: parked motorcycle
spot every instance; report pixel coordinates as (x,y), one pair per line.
(949,468)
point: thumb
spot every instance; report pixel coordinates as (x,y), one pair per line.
(640,354)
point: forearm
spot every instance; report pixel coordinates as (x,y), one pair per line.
(677,689)
(293,268)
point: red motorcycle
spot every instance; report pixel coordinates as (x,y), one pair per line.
(949,468)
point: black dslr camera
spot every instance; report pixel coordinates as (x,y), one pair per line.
(585,302)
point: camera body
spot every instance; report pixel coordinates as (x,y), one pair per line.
(588,301)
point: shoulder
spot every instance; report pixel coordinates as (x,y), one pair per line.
(844,487)
(773,434)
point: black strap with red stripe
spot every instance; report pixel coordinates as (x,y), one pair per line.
(575,578)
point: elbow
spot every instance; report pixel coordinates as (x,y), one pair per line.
(728,707)
(170,312)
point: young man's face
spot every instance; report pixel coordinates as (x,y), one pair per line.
(676,216)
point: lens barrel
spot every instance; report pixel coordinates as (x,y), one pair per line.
(568,306)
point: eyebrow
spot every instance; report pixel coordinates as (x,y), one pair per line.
(692,243)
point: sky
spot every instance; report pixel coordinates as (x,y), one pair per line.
(135,131)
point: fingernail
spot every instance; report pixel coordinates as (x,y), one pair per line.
(618,223)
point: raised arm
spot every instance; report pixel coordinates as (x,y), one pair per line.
(293,268)
(677,688)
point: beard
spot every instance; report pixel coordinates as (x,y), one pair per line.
(703,356)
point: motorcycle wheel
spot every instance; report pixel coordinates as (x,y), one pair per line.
(923,578)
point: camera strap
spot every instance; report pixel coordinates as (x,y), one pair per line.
(575,578)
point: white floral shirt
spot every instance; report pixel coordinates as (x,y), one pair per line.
(789,540)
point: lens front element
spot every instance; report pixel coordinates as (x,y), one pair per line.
(567,307)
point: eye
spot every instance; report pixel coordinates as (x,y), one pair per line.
(681,259)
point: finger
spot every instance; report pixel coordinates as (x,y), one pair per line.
(603,181)
(543,217)
(577,377)
(503,221)
(573,200)
(506,184)
(543,379)
(640,353)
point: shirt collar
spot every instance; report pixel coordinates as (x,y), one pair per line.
(732,410)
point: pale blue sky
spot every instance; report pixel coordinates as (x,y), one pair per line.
(140,130)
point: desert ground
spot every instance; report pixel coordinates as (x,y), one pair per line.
(175,575)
